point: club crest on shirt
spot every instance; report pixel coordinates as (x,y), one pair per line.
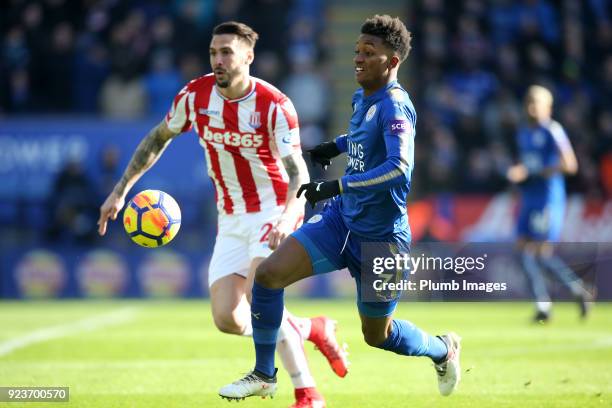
(370,113)
(255,120)
(539,138)
(315,218)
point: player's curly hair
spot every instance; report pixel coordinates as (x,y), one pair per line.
(392,31)
(240,29)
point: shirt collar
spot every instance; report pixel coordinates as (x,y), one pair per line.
(378,94)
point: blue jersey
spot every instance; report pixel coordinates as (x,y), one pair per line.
(380,158)
(539,148)
(542,205)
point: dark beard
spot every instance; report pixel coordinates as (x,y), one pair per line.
(223,84)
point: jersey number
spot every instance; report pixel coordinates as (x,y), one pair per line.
(266,228)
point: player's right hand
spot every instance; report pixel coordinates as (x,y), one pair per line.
(323,153)
(109,210)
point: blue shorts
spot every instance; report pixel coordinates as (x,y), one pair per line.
(331,246)
(541,220)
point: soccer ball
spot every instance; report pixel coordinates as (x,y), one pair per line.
(152,218)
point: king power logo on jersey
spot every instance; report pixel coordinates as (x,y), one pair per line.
(232,138)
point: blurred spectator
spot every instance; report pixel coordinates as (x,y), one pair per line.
(91,69)
(191,66)
(162,83)
(123,96)
(56,78)
(73,206)
(109,171)
(307,89)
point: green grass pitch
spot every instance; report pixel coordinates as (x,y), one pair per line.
(168,354)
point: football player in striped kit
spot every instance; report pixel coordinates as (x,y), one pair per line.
(250,136)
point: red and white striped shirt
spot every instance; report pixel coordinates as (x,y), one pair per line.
(244,140)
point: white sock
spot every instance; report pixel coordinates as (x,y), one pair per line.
(290,349)
(248,330)
(544,306)
(302,324)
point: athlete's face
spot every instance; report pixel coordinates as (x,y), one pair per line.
(230,57)
(538,106)
(373,62)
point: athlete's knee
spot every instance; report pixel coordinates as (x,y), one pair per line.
(269,274)
(373,336)
(227,322)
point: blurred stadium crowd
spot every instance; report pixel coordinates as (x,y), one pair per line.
(471,61)
(128,58)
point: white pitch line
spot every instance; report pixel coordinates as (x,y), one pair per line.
(49,333)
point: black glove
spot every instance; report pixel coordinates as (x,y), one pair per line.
(323,153)
(316,191)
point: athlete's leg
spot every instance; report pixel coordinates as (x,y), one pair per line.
(564,274)
(404,338)
(559,269)
(289,263)
(401,337)
(289,343)
(537,284)
(227,274)
(230,309)
(296,258)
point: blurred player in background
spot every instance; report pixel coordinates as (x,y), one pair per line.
(369,206)
(249,131)
(545,155)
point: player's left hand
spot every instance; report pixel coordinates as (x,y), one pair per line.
(517,173)
(323,153)
(316,191)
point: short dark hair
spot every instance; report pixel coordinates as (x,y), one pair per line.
(392,31)
(240,29)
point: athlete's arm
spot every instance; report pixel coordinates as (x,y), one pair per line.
(294,208)
(147,153)
(568,163)
(397,167)
(395,170)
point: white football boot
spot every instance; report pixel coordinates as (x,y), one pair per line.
(252,384)
(449,371)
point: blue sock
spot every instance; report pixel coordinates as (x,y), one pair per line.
(266,317)
(408,340)
(534,275)
(563,273)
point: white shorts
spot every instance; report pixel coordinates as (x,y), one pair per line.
(240,239)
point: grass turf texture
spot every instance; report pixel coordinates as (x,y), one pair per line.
(168,354)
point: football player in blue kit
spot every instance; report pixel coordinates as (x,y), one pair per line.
(368,204)
(545,155)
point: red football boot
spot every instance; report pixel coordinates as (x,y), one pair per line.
(323,335)
(308,398)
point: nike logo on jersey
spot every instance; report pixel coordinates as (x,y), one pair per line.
(319,186)
(256,315)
